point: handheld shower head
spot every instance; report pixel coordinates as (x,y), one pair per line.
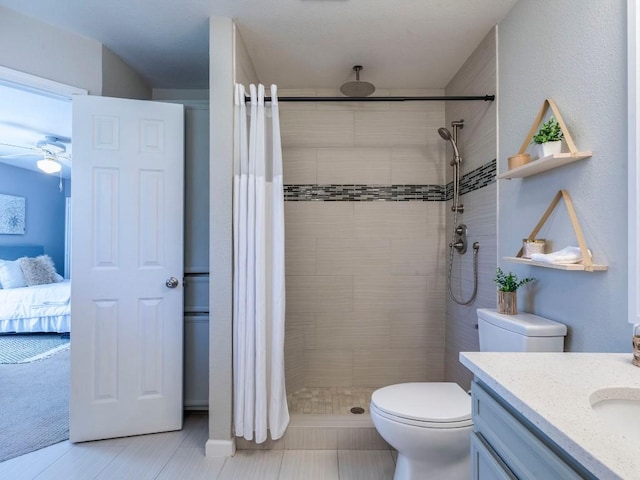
(446,135)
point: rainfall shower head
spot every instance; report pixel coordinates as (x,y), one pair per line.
(357,88)
(446,135)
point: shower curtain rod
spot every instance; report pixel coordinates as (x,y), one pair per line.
(486,98)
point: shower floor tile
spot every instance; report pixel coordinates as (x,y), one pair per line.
(329,400)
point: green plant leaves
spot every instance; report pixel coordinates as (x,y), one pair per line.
(509,282)
(549,132)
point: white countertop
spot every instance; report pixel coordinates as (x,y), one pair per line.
(552,390)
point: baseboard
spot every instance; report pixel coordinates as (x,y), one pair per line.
(220,448)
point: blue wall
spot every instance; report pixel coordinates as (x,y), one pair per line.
(582,65)
(45,207)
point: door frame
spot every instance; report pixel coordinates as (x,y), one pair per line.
(27,81)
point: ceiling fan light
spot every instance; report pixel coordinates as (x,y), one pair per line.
(51,144)
(49,165)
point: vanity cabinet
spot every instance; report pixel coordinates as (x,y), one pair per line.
(505,445)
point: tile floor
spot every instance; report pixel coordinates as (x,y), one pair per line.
(329,400)
(180,456)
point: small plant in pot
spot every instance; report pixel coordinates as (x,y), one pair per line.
(549,138)
(508,285)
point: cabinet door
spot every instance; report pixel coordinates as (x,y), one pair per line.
(196,199)
(196,293)
(485,462)
(196,362)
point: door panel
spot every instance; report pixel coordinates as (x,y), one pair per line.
(127,329)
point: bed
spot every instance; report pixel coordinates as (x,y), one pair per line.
(39,308)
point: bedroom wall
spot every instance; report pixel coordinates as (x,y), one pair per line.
(45,208)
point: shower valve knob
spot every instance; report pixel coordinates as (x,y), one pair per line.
(459,245)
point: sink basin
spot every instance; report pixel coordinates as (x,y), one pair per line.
(619,407)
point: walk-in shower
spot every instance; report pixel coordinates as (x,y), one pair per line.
(459,240)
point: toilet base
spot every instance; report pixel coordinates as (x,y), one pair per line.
(412,469)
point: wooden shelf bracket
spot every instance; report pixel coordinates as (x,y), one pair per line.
(563,194)
(563,126)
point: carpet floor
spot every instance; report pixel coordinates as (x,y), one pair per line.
(34,405)
(28,347)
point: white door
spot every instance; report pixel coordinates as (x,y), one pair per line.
(127,244)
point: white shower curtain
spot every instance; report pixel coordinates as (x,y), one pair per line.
(260,400)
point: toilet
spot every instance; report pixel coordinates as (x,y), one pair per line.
(429,423)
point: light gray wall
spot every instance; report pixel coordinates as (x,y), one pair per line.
(245,73)
(40,49)
(477,144)
(34,47)
(181,94)
(221,79)
(120,80)
(575,53)
(228,63)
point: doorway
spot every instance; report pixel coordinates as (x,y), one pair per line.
(35,135)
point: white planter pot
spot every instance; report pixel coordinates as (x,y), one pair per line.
(549,148)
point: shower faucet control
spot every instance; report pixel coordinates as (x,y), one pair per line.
(459,246)
(460,243)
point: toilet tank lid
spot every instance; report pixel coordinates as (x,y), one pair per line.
(523,323)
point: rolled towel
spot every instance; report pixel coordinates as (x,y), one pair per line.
(566,255)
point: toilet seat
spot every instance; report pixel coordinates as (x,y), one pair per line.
(425,404)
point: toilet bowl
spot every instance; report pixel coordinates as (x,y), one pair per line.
(430,426)
(430,423)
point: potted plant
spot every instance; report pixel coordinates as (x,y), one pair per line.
(508,285)
(549,138)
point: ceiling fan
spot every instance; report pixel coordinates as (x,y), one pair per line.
(50,153)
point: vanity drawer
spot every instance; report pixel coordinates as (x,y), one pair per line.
(486,464)
(522,450)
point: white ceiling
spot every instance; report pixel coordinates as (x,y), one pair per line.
(293,43)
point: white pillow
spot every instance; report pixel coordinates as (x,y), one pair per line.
(11,275)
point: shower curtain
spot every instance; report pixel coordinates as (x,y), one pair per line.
(260,400)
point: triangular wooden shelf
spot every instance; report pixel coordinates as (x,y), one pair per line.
(586,264)
(553,161)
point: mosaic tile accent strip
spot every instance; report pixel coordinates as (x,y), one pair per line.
(329,400)
(474,180)
(364,193)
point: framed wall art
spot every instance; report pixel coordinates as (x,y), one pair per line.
(12,215)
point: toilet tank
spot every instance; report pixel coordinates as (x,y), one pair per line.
(523,332)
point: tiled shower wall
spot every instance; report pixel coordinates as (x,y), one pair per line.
(477,143)
(365,265)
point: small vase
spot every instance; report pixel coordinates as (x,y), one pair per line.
(549,148)
(508,303)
